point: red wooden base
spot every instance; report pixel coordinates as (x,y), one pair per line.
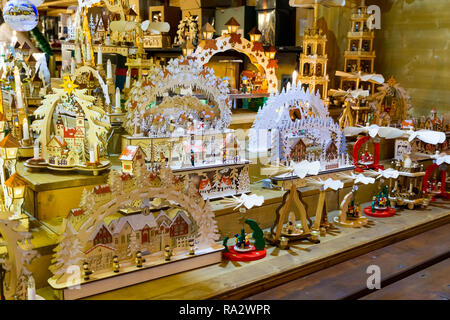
(445,196)
(360,168)
(389,212)
(234,255)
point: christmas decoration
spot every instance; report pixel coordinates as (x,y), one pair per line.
(20,15)
(156,218)
(295,126)
(65,147)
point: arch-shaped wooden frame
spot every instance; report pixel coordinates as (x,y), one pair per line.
(43,125)
(179,73)
(253,50)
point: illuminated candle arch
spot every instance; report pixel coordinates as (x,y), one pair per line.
(253,50)
(179,73)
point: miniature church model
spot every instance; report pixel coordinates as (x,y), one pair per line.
(313,60)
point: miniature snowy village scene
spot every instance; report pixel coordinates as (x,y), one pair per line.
(188,132)
(138,221)
(294,126)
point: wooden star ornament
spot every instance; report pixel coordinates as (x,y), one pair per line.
(68,85)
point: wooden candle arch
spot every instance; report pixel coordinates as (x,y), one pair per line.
(47,120)
(192,207)
(253,50)
(144,185)
(180,73)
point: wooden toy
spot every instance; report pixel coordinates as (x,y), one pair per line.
(313,60)
(358,109)
(322,224)
(366,160)
(244,249)
(292,203)
(391,104)
(139,211)
(359,54)
(434,123)
(291,198)
(188,29)
(407,189)
(381,204)
(436,187)
(350,214)
(86,271)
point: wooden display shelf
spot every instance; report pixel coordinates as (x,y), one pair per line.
(234,280)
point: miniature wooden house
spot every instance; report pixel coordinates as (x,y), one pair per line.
(130,156)
(298,151)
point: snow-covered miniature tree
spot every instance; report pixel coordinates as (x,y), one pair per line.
(207,227)
(141,174)
(134,245)
(87,202)
(234,177)
(115,182)
(343,148)
(216,182)
(68,253)
(244,181)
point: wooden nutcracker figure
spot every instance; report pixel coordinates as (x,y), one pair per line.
(115,264)
(86,271)
(139,259)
